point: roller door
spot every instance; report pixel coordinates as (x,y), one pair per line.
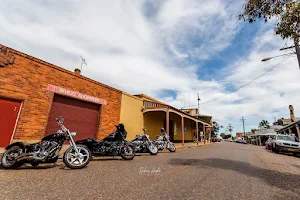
(80,116)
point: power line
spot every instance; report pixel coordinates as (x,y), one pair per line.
(247,82)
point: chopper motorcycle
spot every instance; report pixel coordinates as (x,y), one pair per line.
(163,141)
(143,144)
(113,145)
(47,151)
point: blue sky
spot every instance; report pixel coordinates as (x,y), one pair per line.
(170,50)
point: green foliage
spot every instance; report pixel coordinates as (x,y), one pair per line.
(222,135)
(227,136)
(264,124)
(215,129)
(253,130)
(285,12)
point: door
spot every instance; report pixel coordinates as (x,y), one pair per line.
(171,129)
(80,117)
(9,110)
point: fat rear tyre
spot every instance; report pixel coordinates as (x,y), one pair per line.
(7,162)
(153,149)
(127,152)
(74,160)
(295,154)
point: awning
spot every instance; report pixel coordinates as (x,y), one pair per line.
(178,112)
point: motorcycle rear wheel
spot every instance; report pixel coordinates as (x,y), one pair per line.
(127,152)
(75,160)
(6,163)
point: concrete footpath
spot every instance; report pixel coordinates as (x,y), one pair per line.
(191,145)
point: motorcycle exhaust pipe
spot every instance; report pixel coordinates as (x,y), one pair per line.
(29,156)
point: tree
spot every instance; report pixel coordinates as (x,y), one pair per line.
(285,12)
(227,136)
(215,129)
(264,123)
(223,135)
(253,130)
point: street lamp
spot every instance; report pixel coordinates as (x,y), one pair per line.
(269,58)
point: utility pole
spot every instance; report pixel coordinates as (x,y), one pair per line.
(198,105)
(297,50)
(296,43)
(230,130)
(198,116)
(244,127)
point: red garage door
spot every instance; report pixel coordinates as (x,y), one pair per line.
(9,110)
(80,116)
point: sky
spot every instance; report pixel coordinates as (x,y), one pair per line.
(171,50)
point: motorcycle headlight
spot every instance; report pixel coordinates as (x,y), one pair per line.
(73,134)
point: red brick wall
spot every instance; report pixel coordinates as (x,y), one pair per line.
(27,79)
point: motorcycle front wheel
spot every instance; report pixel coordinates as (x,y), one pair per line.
(152,149)
(8,160)
(127,152)
(171,147)
(75,160)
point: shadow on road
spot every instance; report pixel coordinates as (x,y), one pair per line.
(29,167)
(105,158)
(281,180)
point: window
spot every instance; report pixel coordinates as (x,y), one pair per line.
(287,138)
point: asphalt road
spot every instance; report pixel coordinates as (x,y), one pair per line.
(219,171)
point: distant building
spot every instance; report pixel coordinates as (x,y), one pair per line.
(285,122)
(194,113)
(239,134)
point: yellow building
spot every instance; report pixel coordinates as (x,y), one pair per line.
(132,115)
(142,111)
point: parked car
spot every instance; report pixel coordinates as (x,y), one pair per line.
(244,142)
(286,143)
(238,141)
(216,140)
(268,144)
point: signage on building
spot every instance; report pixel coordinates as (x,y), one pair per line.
(76,95)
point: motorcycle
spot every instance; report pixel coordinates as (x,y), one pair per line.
(47,151)
(142,144)
(164,140)
(113,145)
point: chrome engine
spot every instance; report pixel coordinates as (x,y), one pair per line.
(40,151)
(159,144)
(138,145)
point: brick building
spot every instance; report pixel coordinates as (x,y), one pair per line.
(239,134)
(33,93)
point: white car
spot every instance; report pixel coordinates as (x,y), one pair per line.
(286,143)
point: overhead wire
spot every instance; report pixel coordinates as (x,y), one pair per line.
(271,69)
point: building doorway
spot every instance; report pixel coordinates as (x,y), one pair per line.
(8,117)
(171,129)
(80,116)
